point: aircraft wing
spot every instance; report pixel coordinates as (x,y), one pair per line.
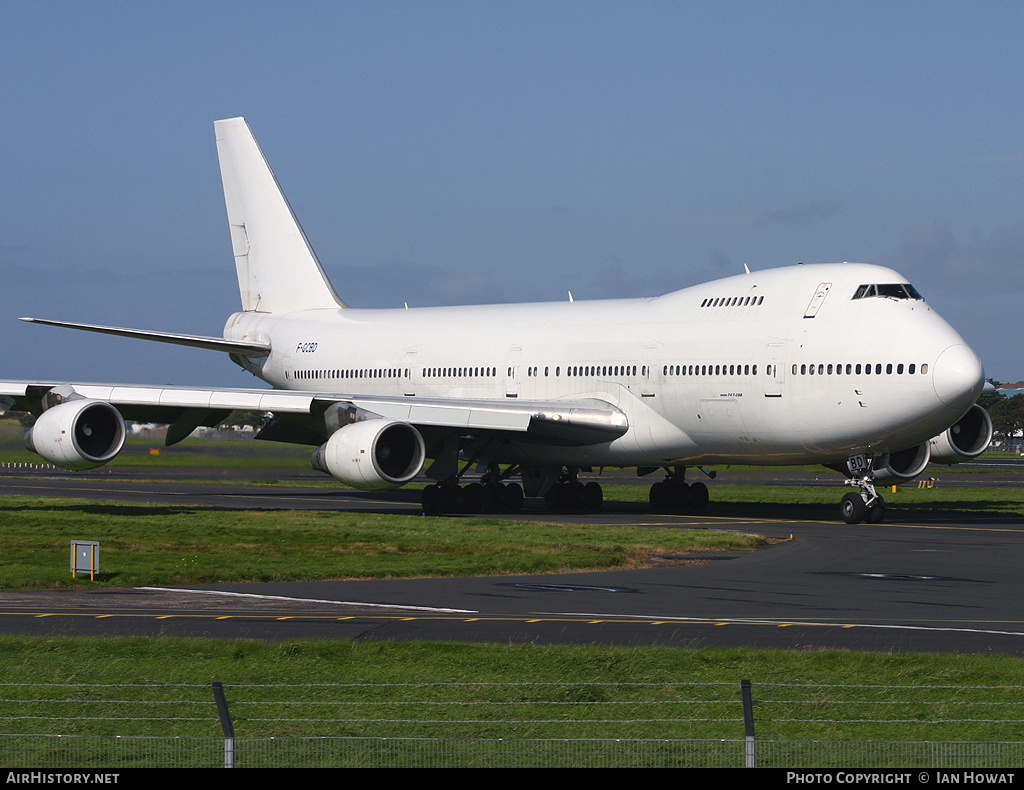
(303,416)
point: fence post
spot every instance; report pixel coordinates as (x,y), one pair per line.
(748,723)
(225,724)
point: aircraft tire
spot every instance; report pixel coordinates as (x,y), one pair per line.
(573,500)
(449,499)
(699,498)
(430,499)
(852,508)
(679,497)
(513,498)
(554,497)
(473,498)
(876,513)
(659,498)
(494,498)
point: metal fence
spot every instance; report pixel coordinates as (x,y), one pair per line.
(467,724)
(104,753)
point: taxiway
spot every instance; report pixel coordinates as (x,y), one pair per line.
(941,584)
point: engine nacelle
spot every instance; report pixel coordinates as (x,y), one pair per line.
(967,438)
(78,434)
(372,454)
(900,465)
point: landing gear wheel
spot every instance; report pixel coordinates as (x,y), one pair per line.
(699,498)
(675,496)
(430,499)
(876,512)
(573,499)
(494,498)
(449,498)
(513,498)
(473,498)
(569,495)
(554,497)
(659,498)
(678,497)
(852,508)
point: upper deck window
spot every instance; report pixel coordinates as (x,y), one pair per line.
(892,291)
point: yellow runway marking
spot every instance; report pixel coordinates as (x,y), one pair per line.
(918,625)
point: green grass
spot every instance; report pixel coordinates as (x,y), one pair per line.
(518,691)
(192,454)
(152,544)
(794,501)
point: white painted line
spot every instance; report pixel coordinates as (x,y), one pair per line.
(787,623)
(309,600)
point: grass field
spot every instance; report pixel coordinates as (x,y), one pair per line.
(821,501)
(153,545)
(420,689)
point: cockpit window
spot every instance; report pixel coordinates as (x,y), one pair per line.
(892,291)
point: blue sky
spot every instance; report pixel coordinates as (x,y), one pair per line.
(445,152)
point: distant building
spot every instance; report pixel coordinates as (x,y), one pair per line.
(1009,390)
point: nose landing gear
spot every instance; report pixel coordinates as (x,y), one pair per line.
(866,505)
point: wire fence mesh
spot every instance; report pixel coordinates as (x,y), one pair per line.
(450,724)
(85,752)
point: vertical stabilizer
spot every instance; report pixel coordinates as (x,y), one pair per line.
(278,272)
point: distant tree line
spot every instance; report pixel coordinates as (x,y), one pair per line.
(1007,413)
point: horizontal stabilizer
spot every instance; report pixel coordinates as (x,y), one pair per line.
(246,348)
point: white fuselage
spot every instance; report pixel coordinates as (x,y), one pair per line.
(775,367)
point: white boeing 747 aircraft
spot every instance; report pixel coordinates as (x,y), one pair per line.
(842,364)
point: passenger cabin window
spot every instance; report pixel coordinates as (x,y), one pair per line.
(890,291)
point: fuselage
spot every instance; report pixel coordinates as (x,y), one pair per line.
(782,366)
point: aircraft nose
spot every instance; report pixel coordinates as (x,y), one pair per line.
(958,376)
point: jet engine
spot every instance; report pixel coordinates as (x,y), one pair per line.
(967,438)
(372,454)
(900,465)
(78,434)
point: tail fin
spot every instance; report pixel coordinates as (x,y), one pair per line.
(278,272)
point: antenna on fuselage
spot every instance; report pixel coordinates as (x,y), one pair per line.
(746,268)
(570,297)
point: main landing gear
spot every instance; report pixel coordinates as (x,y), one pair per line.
(450,497)
(865,505)
(674,495)
(489,495)
(569,495)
